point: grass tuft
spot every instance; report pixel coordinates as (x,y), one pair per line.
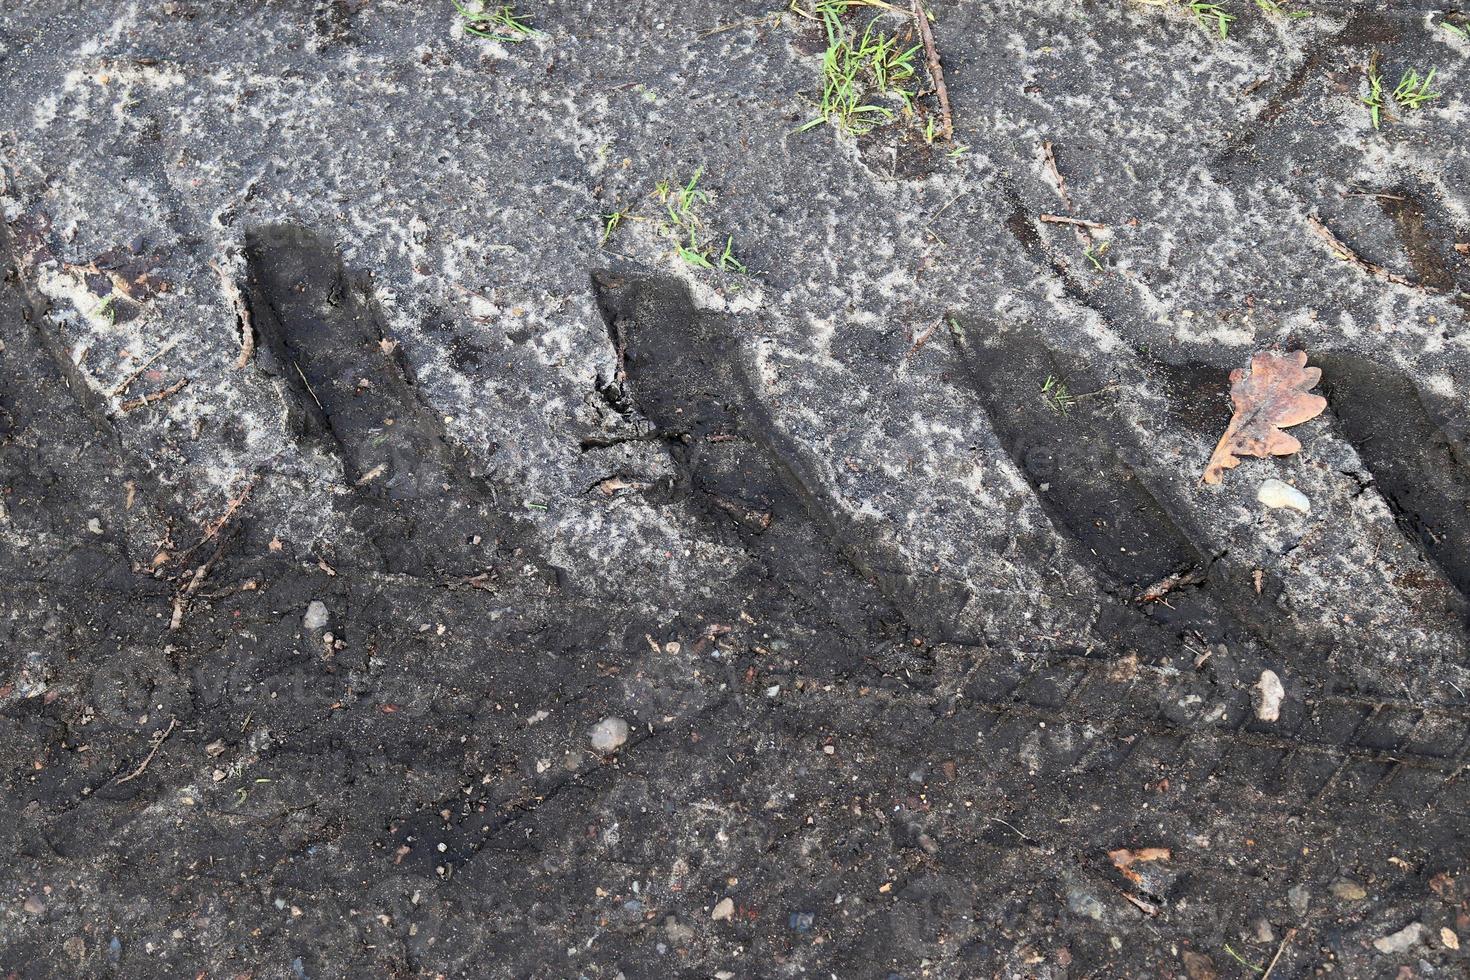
(1211,16)
(685,229)
(1057,396)
(499,23)
(1278,10)
(610,223)
(1413,91)
(856,68)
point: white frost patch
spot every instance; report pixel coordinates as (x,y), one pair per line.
(43,113)
(707,297)
(1441,384)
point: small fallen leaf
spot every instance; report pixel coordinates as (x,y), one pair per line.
(1272,395)
(1199,966)
(1123,859)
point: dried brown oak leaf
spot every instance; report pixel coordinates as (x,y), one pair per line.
(1272,395)
(1123,859)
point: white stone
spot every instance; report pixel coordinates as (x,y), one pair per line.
(316,615)
(1402,940)
(608,734)
(1274,493)
(724,909)
(1269,695)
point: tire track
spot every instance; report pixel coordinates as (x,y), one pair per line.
(321,336)
(747,481)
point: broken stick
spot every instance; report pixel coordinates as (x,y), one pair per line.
(1062,219)
(154,396)
(157,741)
(1049,157)
(936,71)
(1351,257)
(127,382)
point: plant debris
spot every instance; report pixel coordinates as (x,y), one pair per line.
(1272,395)
(1124,858)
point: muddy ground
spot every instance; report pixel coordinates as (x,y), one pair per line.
(407,570)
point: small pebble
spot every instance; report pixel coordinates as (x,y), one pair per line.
(1448,938)
(676,931)
(1349,890)
(608,734)
(1274,493)
(35,905)
(316,616)
(724,909)
(1404,939)
(1081,903)
(802,921)
(1268,696)
(1299,899)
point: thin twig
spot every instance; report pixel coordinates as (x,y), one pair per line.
(127,382)
(1167,584)
(1351,257)
(936,71)
(1290,933)
(157,741)
(154,396)
(309,390)
(1020,833)
(231,509)
(213,528)
(1378,194)
(196,579)
(922,339)
(1061,219)
(1049,157)
(947,205)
